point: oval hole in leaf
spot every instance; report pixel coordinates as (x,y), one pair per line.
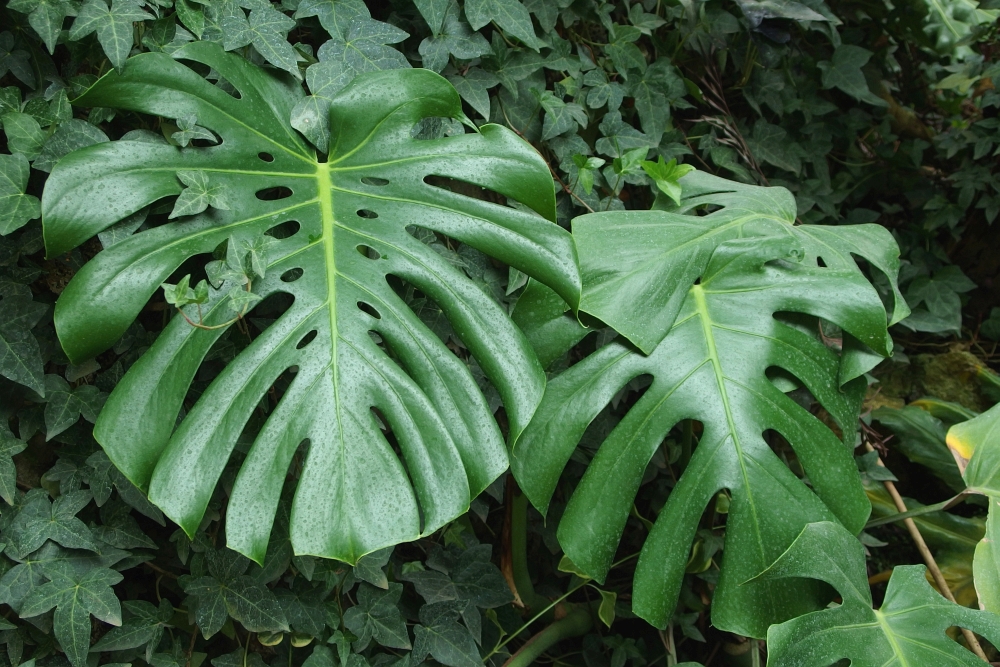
(368,309)
(266,157)
(291,275)
(369,252)
(273,194)
(466,188)
(284,230)
(365,213)
(308,338)
(374,180)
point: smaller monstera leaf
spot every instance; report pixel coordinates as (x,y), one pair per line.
(654,256)
(713,367)
(909,629)
(346,252)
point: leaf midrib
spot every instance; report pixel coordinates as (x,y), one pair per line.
(701,307)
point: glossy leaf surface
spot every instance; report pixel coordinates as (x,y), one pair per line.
(351,213)
(653,256)
(909,628)
(976,446)
(712,367)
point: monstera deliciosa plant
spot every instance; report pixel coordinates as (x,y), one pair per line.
(722,309)
(718,295)
(349,341)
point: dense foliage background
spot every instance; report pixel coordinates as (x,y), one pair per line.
(868,111)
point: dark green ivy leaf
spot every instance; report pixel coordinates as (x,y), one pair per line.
(143,627)
(364,48)
(45,16)
(76,598)
(227,591)
(369,568)
(40,520)
(844,72)
(510,15)
(113,26)
(451,36)
(9,446)
(20,358)
(72,134)
(64,405)
(441,637)
(376,616)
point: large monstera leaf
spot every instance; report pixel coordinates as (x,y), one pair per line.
(713,367)
(909,629)
(355,494)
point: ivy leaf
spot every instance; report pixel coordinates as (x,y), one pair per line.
(9,446)
(120,530)
(510,15)
(472,578)
(451,36)
(76,598)
(39,520)
(586,166)
(666,176)
(268,30)
(15,61)
(113,26)
(334,15)
(71,135)
(227,591)
(844,72)
(143,626)
(473,88)
(440,636)
(24,134)
(198,195)
(510,65)
(603,91)
(909,629)
(16,208)
(619,137)
(45,16)
(20,358)
(560,116)
(305,607)
(64,406)
(188,130)
(369,568)
(364,48)
(623,51)
(376,616)
(772,144)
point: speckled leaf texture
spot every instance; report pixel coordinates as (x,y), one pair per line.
(355,494)
(735,295)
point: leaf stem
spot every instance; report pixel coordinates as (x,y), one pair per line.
(928,509)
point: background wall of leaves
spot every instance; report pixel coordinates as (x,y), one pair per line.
(866,110)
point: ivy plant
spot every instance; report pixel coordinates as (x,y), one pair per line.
(337,236)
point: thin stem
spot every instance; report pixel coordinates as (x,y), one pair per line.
(534,618)
(574,624)
(928,557)
(929,509)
